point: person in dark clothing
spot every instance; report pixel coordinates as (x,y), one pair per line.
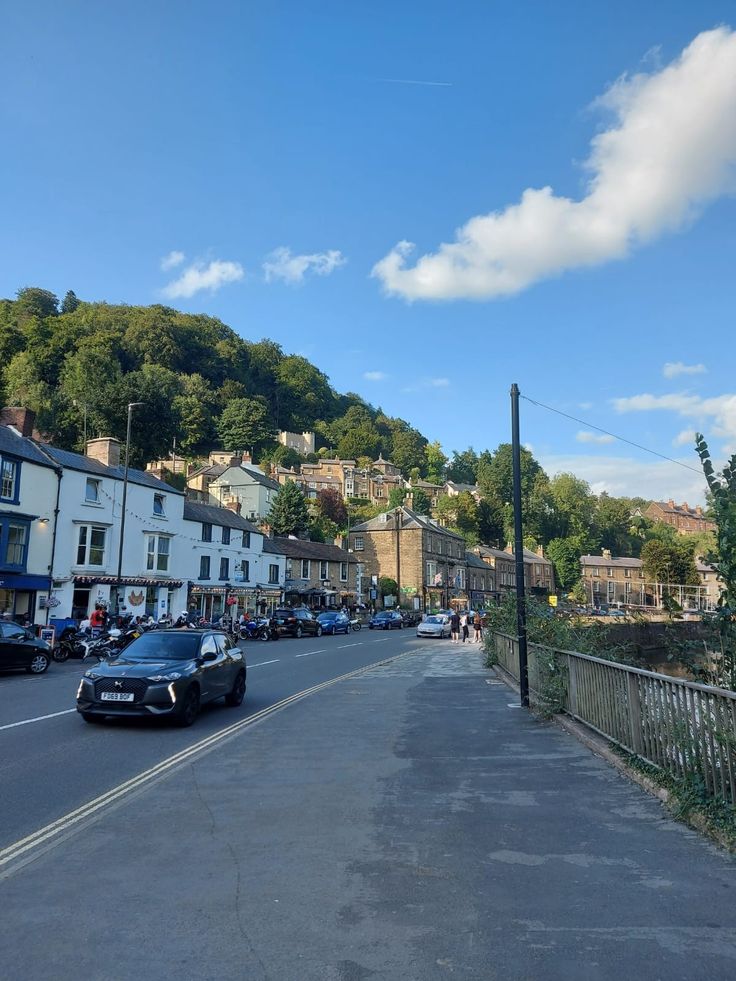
(455,626)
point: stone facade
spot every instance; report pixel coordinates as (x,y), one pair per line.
(681,516)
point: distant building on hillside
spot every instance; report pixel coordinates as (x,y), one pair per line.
(303,443)
(681,516)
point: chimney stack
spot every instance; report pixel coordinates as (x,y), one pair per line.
(19,418)
(105,450)
(607,553)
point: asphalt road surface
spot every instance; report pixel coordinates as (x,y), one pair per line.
(52,762)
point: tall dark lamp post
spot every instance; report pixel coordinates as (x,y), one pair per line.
(131,406)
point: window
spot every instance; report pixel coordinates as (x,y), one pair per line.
(273,574)
(159,505)
(9,483)
(596,571)
(379,491)
(324,571)
(627,589)
(609,573)
(157,553)
(343,572)
(92,491)
(225,536)
(206,532)
(305,568)
(91,545)
(641,573)
(627,573)
(245,569)
(204,567)
(224,568)
(359,546)
(16,543)
(246,539)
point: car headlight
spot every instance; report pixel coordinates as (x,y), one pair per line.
(172,676)
(92,675)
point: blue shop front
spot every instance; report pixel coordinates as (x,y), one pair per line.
(19,595)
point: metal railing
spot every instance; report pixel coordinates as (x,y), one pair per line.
(685,728)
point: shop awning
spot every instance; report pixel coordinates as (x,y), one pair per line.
(126,581)
(11,580)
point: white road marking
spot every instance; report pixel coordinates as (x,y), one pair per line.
(261,663)
(26,849)
(343,646)
(39,718)
(309,653)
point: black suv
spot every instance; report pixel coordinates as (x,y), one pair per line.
(165,673)
(296,623)
(20,648)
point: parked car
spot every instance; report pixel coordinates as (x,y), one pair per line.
(334,622)
(165,673)
(435,625)
(21,649)
(386,620)
(296,623)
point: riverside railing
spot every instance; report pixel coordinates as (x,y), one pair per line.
(685,728)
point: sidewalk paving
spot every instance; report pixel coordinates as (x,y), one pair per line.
(410,823)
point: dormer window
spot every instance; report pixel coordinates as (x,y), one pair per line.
(92,491)
(159,505)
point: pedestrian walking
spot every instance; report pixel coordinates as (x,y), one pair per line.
(464,621)
(478,628)
(455,626)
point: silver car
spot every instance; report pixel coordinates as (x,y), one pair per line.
(436,625)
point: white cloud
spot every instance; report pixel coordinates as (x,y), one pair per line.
(718,412)
(424,383)
(439,382)
(585,405)
(374,376)
(586,437)
(624,476)
(172,260)
(672,369)
(204,276)
(281,264)
(670,151)
(685,437)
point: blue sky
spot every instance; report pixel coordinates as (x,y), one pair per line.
(281,151)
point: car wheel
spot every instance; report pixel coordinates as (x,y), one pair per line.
(190,707)
(370,626)
(319,631)
(236,696)
(92,718)
(401,625)
(347,630)
(39,664)
(298,632)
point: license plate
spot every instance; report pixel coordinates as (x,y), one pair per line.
(117,696)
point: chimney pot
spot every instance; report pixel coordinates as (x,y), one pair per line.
(105,450)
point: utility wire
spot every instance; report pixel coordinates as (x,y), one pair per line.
(621,439)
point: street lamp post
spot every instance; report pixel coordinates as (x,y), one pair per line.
(131,406)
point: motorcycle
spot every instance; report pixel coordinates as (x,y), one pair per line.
(355,623)
(260,629)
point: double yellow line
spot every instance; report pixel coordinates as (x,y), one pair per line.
(25,850)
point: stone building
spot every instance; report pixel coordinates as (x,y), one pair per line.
(614,581)
(427,561)
(681,516)
(317,575)
(303,443)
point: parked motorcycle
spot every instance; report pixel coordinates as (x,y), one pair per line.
(259,629)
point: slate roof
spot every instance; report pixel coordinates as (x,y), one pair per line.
(20,446)
(601,560)
(255,474)
(270,546)
(410,520)
(85,464)
(210,514)
(298,548)
(475,561)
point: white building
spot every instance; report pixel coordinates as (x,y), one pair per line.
(303,443)
(245,487)
(87,553)
(226,564)
(29,482)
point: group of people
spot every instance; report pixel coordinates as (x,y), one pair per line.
(460,623)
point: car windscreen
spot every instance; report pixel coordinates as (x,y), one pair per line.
(327,616)
(383,616)
(180,645)
(434,620)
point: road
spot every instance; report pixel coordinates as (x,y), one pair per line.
(52,762)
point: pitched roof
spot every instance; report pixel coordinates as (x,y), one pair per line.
(475,560)
(410,520)
(85,464)
(14,444)
(210,514)
(257,475)
(298,548)
(621,563)
(461,488)
(271,546)
(669,507)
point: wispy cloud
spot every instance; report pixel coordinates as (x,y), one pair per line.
(587,437)
(375,376)
(439,382)
(670,151)
(200,276)
(425,383)
(624,476)
(673,369)
(719,411)
(282,264)
(414,81)
(686,437)
(172,260)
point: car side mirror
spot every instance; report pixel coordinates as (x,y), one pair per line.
(209,656)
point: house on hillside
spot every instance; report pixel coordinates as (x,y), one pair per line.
(681,516)
(621,581)
(245,488)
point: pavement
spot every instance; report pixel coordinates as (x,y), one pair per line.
(408,822)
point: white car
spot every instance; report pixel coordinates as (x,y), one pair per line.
(436,625)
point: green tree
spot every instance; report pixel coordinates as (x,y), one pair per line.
(361,441)
(407,448)
(388,587)
(463,467)
(669,563)
(420,501)
(573,505)
(289,514)
(490,522)
(245,424)
(564,553)
(330,505)
(285,456)
(34,302)
(70,302)
(436,462)
(396,497)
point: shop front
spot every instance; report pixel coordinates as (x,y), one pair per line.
(21,596)
(212,602)
(139,596)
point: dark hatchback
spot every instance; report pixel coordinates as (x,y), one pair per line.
(166,673)
(387,620)
(296,623)
(334,622)
(20,649)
